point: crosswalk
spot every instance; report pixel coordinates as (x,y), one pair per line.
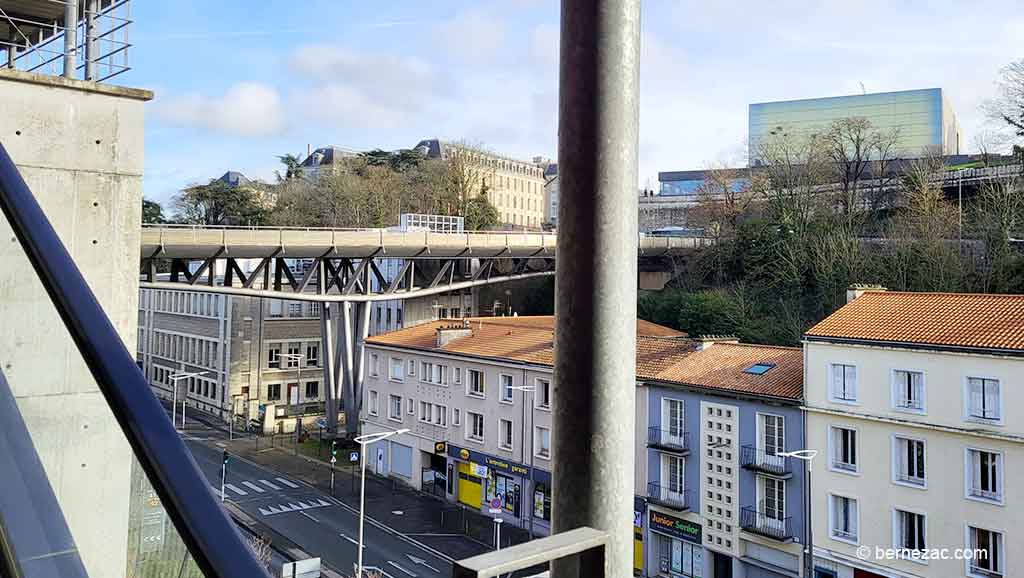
(255,486)
(294,506)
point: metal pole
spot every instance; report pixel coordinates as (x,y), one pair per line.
(328,356)
(960,209)
(223,478)
(809,538)
(332,475)
(362,500)
(90,39)
(595,281)
(174,403)
(532,484)
(70,37)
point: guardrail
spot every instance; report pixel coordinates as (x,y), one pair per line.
(586,544)
(209,534)
(758,522)
(667,439)
(666,496)
(754,458)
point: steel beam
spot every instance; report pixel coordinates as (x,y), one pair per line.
(70,38)
(595,280)
(328,357)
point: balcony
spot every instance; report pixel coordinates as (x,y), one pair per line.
(769,526)
(676,442)
(664,496)
(758,460)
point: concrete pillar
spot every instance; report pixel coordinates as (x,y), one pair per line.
(595,283)
(329,360)
(78,146)
(70,37)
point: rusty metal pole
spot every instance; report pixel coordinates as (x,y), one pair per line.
(595,282)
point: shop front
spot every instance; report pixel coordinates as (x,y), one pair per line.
(486,481)
(674,547)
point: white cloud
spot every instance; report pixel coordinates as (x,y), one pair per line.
(473,36)
(246,109)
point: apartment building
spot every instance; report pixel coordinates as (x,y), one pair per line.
(915,403)
(514,187)
(720,500)
(476,395)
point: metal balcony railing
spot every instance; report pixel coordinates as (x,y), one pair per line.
(769,525)
(211,537)
(666,496)
(675,441)
(754,458)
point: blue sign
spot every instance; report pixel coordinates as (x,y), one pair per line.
(353,456)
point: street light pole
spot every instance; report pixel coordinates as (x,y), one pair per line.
(807,457)
(363,442)
(528,389)
(175,378)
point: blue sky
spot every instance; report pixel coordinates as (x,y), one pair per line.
(238,83)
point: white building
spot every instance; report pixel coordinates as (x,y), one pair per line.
(915,403)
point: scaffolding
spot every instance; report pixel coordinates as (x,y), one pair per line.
(82,39)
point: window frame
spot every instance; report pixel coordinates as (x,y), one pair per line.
(502,387)
(832,517)
(278,396)
(469,384)
(967,413)
(391,414)
(898,455)
(832,450)
(391,367)
(469,432)
(894,396)
(897,529)
(537,389)
(969,476)
(537,429)
(373,403)
(511,434)
(856,383)
(1001,552)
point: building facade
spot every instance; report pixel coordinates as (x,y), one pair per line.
(720,501)
(914,402)
(923,118)
(514,187)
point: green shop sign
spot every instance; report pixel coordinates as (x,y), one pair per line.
(675,527)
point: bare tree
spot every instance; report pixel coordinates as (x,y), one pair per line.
(795,169)
(262,551)
(997,216)
(1007,108)
(723,199)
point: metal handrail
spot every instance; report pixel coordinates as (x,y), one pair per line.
(585,543)
(206,530)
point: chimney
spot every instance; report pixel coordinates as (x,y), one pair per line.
(706,341)
(448,333)
(856,290)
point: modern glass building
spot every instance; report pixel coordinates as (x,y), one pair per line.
(923,118)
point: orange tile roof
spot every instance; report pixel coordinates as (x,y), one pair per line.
(663,354)
(721,366)
(961,320)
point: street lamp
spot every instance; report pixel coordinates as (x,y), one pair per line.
(806,456)
(176,377)
(297,358)
(364,441)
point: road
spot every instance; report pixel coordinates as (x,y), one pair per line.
(317,522)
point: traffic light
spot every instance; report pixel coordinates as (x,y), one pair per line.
(334,449)
(225,457)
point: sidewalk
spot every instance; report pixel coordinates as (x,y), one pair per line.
(451,529)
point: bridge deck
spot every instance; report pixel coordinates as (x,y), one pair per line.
(188,242)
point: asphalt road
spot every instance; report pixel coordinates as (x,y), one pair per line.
(317,522)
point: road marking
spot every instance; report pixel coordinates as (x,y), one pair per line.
(353,540)
(400,568)
(310,517)
(270,485)
(236,489)
(253,487)
(221,444)
(287,483)
(421,562)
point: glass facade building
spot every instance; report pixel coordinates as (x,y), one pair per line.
(923,119)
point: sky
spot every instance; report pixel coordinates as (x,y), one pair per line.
(239,83)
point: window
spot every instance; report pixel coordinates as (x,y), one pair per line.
(456,416)
(672,416)
(843,386)
(908,461)
(275,307)
(374,407)
(672,482)
(759,368)
(440,415)
(374,364)
(426,412)
(505,439)
(274,357)
(543,393)
(293,355)
(772,433)
(908,390)
(989,546)
(773,500)
(395,369)
(458,375)
(985,475)
(475,426)
(410,406)
(476,383)
(983,399)
(842,515)
(542,442)
(843,449)
(312,355)
(412,367)
(506,388)
(395,407)
(273,392)
(294,309)
(312,389)
(909,532)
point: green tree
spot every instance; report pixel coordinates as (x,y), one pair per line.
(152,212)
(292,167)
(479,213)
(217,203)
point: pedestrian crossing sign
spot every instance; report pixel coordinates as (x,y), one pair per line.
(353,456)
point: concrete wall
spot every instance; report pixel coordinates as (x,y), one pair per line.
(79,147)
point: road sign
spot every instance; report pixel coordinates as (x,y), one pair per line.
(308,568)
(353,457)
(321,422)
(334,460)
(151,538)
(496,502)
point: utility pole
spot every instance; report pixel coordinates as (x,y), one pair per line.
(223,474)
(334,460)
